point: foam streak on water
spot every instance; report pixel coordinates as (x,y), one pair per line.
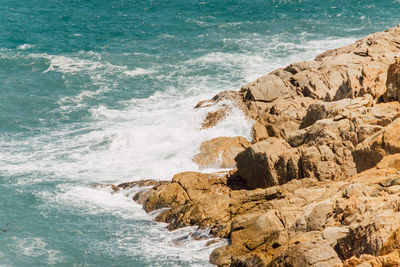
(104,93)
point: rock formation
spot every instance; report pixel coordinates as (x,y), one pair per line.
(319,184)
(220,152)
(303,222)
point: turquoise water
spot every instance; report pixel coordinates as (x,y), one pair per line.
(102,92)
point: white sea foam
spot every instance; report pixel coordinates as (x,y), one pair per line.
(25,46)
(70,65)
(181,244)
(150,138)
(36,247)
(87,62)
(69,104)
(138,71)
(94,200)
(157,242)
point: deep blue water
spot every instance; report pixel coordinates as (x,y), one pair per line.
(102,91)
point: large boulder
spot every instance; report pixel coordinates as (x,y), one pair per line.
(375,235)
(256,229)
(314,216)
(308,249)
(266,89)
(252,232)
(220,152)
(328,162)
(168,195)
(384,142)
(393,83)
(259,132)
(323,110)
(268,163)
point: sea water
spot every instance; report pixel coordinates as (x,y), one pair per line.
(95,92)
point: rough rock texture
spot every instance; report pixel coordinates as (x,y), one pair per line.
(319,185)
(374,148)
(268,163)
(300,223)
(368,66)
(220,152)
(346,72)
(393,83)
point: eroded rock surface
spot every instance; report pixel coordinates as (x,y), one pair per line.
(300,223)
(220,152)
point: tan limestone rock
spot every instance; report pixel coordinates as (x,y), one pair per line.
(384,142)
(165,196)
(220,152)
(307,249)
(267,89)
(393,82)
(268,163)
(259,132)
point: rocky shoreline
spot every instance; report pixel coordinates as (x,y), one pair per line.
(319,184)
